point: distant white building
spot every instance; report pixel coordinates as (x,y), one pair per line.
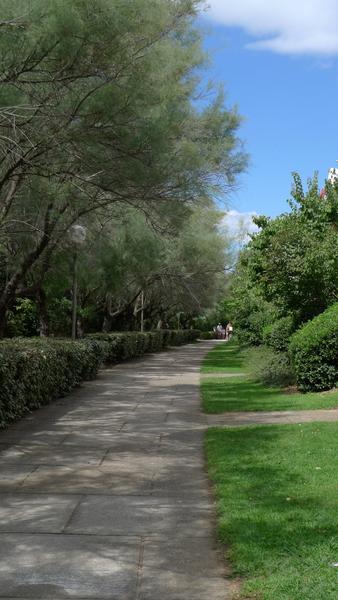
(333,175)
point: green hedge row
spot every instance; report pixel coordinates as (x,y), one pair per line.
(35,371)
(132,344)
(207,335)
(314,352)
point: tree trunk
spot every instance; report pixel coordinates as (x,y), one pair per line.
(7,300)
(106,325)
(79,328)
(107,320)
(142,311)
(43,313)
(3,322)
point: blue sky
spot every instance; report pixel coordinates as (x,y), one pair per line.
(281,71)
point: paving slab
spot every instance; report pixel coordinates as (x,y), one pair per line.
(14,475)
(149,464)
(182,570)
(144,516)
(82,480)
(182,481)
(36,513)
(28,437)
(69,566)
(49,455)
(116,442)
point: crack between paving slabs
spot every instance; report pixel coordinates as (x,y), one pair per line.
(104,456)
(140,569)
(81,498)
(28,475)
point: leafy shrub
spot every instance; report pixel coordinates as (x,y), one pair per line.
(35,371)
(60,316)
(207,335)
(22,320)
(132,344)
(183,336)
(314,352)
(250,329)
(269,367)
(277,335)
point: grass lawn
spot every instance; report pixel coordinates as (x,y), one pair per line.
(224,358)
(277,498)
(230,394)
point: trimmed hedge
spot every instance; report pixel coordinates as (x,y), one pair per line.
(123,346)
(35,371)
(207,335)
(314,352)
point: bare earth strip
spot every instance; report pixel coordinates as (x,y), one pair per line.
(236,419)
(104,494)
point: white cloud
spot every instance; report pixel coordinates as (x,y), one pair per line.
(239,225)
(286,27)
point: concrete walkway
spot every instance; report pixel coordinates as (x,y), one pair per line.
(104,495)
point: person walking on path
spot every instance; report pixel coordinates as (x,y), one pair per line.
(229,331)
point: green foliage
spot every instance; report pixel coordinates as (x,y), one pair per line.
(277,334)
(314,352)
(123,346)
(179,272)
(291,264)
(33,372)
(98,106)
(207,335)
(211,317)
(59,315)
(269,367)
(251,313)
(23,320)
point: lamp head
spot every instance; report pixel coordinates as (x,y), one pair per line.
(77,234)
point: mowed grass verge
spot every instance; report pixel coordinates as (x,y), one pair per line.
(225,357)
(276,489)
(240,393)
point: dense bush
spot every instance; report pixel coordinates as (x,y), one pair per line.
(250,323)
(207,335)
(277,334)
(269,367)
(314,352)
(35,371)
(22,320)
(132,344)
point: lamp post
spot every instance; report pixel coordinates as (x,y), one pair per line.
(142,311)
(77,235)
